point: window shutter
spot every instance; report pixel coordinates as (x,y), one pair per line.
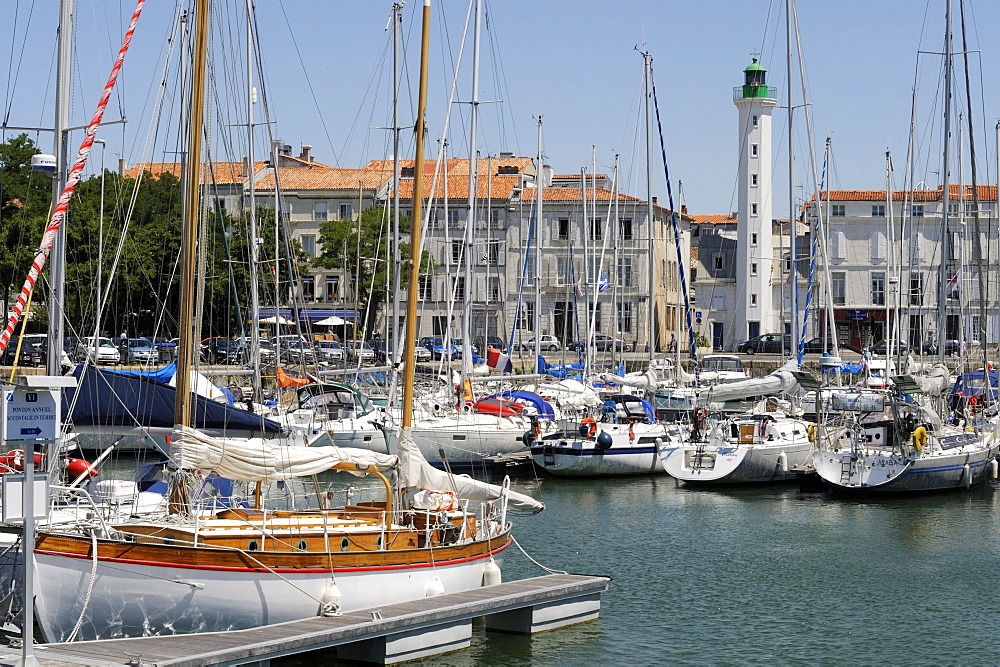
(501,253)
(480,250)
(480,294)
(878,247)
(839,245)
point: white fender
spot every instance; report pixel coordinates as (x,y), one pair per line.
(967,475)
(994,468)
(434,588)
(783,462)
(491,574)
(329,601)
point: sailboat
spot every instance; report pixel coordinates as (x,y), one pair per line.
(219,568)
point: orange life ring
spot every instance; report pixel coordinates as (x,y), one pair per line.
(590,424)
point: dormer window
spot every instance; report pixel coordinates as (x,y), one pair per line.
(407,172)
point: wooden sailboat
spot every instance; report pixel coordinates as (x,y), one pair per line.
(210,568)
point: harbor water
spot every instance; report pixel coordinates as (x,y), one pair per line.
(749,575)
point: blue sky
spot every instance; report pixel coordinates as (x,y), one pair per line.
(573,63)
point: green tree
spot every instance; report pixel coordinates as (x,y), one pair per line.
(360,247)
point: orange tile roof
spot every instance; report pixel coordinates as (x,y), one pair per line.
(573,194)
(577,176)
(986,193)
(497,187)
(713,219)
(323,178)
(225,172)
(488,165)
(308,163)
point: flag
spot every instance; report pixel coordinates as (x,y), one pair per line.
(603,283)
(953,287)
(497,359)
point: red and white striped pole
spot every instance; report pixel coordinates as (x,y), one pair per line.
(74,177)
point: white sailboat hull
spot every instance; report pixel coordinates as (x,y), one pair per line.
(746,464)
(138,599)
(584,457)
(463,444)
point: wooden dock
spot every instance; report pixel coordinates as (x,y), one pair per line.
(390,634)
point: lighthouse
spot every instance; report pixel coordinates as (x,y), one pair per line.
(753,313)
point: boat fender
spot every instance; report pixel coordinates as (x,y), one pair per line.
(588,427)
(783,462)
(79,469)
(604,440)
(967,475)
(434,588)
(994,468)
(919,438)
(811,430)
(527,438)
(329,601)
(491,574)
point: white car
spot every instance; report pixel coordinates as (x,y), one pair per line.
(329,350)
(100,350)
(549,343)
(359,351)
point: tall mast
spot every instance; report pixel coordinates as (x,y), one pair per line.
(418,181)
(57,271)
(648,60)
(792,226)
(187,336)
(252,205)
(540,197)
(945,187)
(397,19)
(473,181)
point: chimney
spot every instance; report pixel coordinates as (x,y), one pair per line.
(122,166)
(547,174)
(504,154)
(306,153)
(684,209)
(281,148)
(247,168)
(654,201)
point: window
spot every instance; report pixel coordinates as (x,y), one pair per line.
(496,218)
(319,210)
(625,229)
(718,262)
(753,299)
(453,217)
(596,226)
(493,288)
(308,288)
(625,317)
(753,150)
(425,290)
(346,211)
(917,289)
(755,120)
(308,242)
(878,210)
(753,209)
(460,287)
(456,251)
(878,288)
(440,325)
(491,256)
(917,211)
(625,271)
(563,229)
(753,239)
(595,313)
(332,287)
(526,316)
(753,180)
(753,268)
(838,210)
(718,302)
(838,280)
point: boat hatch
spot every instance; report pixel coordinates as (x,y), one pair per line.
(960,440)
(699,460)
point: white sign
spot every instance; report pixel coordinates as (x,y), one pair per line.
(29,414)
(858,402)
(12,496)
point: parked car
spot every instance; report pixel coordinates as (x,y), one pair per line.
(439,349)
(604,343)
(329,351)
(772,343)
(952,348)
(100,350)
(137,351)
(41,343)
(815,345)
(880,348)
(297,352)
(29,355)
(549,343)
(220,350)
(359,351)
(483,343)
(166,347)
(383,352)
(458,344)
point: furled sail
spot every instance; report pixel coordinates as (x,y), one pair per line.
(778,381)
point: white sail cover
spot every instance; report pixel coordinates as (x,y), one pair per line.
(416,472)
(647,380)
(936,381)
(257,459)
(778,381)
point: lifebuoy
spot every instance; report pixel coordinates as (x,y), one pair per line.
(919,438)
(811,430)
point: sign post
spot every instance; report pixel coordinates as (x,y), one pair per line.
(30,415)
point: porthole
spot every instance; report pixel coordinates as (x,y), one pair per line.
(303,545)
(168,540)
(129,537)
(253,546)
(378,544)
(345,544)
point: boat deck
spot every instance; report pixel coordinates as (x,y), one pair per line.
(390,634)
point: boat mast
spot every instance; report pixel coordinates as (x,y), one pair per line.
(57,271)
(792,226)
(397,19)
(540,197)
(648,75)
(473,184)
(252,205)
(945,187)
(418,179)
(187,336)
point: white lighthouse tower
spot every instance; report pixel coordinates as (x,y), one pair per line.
(753,313)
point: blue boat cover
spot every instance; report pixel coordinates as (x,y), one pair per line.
(108,398)
(162,375)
